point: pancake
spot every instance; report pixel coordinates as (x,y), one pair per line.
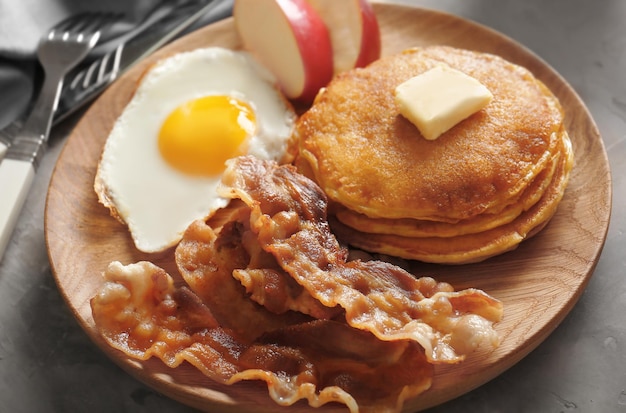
(480,189)
(408,227)
(370,159)
(475,247)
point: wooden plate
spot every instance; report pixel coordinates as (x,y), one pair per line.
(538,283)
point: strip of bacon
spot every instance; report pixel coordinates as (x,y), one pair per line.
(351,366)
(278,292)
(208,260)
(288,215)
(371,357)
(140,312)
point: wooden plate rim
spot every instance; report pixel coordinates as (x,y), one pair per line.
(64,202)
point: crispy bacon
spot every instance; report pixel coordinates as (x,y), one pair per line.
(278,292)
(288,215)
(350,366)
(140,312)
(271,296)
(206,260)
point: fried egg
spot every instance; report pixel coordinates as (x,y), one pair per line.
(163,159)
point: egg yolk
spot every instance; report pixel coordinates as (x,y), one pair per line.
(201,134)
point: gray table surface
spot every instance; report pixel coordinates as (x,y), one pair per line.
(47,363)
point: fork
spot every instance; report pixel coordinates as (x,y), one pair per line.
(166,20)
(62,49)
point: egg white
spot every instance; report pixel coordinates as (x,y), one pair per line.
(156,201)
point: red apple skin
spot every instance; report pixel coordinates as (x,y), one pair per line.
(353,29)
(370,40)
(309,34)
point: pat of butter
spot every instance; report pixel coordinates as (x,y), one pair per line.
(438,99)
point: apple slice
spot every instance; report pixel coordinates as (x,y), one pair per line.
(291,40)
(354,31)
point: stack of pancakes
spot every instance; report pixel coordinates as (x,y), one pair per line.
(478,190)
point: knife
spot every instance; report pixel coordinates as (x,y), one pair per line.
(7,134)
(163,25)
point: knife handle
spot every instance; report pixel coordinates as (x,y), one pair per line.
(3,149)
(16,178)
